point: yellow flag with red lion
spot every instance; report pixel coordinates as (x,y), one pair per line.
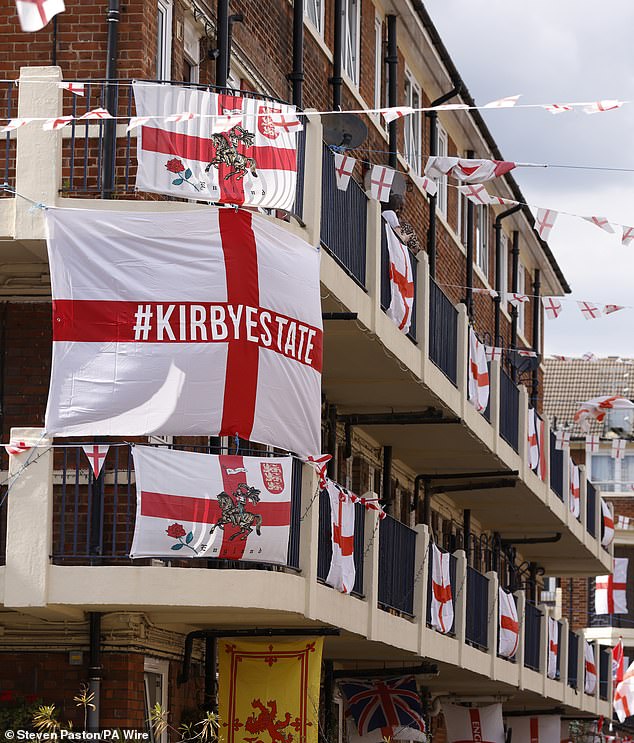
(269,690)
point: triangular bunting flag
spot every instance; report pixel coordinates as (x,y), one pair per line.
(96,454)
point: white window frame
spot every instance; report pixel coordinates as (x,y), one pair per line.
(442,150)
(482,249)
(412,123)
(314,12)
(504,270)
(617,482)
(378,61)
(164,40)
(350,46)
(521,289)
(192,36)
(160,668)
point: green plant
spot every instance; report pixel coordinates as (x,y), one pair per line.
(204,730)
(16,712)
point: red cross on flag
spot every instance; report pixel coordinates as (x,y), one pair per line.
(597,407)
(55,124)
(508,636)
(624,695)
(467,171)
(476,193)
(441,595)
(474,724)
(533,441)
(202,505)
(553,647)
(623,522)
(610,308)
(515,299)
(602,223)
(575,489)
(74,88)
(627,236)
(320,465)
(15,124)
(478,375)
(601,106)
(344,167)
(593,443)
(425,184)
(18,447)
(507,102)
(232,151)
(544,222)
(391,114)
(401,276)
(618,658)
(552,307)
(540,429)
(609,593)
(608,524)
(590,676)
(342,570)
(96,114)
(96,454)
(557,108)
(618,448)
(541,729)
(562,440)
(493,353)
(381,182)
(589,310)
(35,14)
(231,347)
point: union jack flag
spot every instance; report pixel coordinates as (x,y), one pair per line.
(384,704)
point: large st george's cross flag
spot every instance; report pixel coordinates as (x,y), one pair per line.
(215,147)
(198,322)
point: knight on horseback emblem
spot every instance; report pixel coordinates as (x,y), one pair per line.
(226,153)
(234,512)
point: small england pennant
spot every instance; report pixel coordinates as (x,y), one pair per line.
(381,182)
(96,454)
(344,166)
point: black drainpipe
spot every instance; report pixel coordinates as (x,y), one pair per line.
(537,285)
(498,265)
(336,80)
(94,672)
(469,271)
(392,86)
(210,698)
(387,478)
(222,42)
(110,125)
(297,75)
(433,151)
(466,527)
(515,252)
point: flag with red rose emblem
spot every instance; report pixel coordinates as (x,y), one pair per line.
(224,148)
(203,505)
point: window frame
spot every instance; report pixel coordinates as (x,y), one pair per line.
(165,39)
(482,246)
(160,668)
(504,270)
(378,61)
(351,9)
(191,34)
(442,150)
(521,289)
(615,485)
(412,129)
(318,7)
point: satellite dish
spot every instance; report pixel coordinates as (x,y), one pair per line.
(344,130)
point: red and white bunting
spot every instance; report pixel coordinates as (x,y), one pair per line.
(55,124)
(467,170)
(489,292)
(136,121)
(525,353)
(627,236)
(289,122)
(516,299)
(428,185)
(478,374)
(575,489)
(610,590)
(35,14)
(441,595)
(618,448)
(545,221)
(540,729)
(589,310)
(608,309)
(507,102)
(18,447)
(451,107)
(15,124)
(593,442)
(557,108)
(601,222)
(401,276)
(96,114)
(476,193)
(391,114)
(589,356)
(618,658)
(559,357)
(183,116)
(320,464)
(96,455)
(552,307)
(381,182)
(533,443)
(494,353)
(623,522)
(624,695)
(370,504)
(342,569)
(74,88)
(601,106)
(562,440)
(590,676)
(553,647)
(344,167)
(509,631)
(474,724)
(608,524)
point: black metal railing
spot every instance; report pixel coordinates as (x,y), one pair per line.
(452,581)
(477,629)
(532,636)
(8,110)
(386,295)
(573,658)
(443,332)
(556,468)
(397,555)
(93,520)
(591,503)
(343,220)
(301,170)
(509,410)
(604,670)
(3,526)
(324,543)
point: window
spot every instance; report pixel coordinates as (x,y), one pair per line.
(504,269)
(482,238)
(350,46)
(155,692)
(191,51)
(412,124)
(378,61)
(621,419)
(442,151)
(521,286)
(314,11)
(164,40)
(612,475)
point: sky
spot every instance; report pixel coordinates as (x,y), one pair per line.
(555,51)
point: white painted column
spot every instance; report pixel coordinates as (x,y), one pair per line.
(311,206)
(563,653)
(492,614)
(583,498)
(422,305)
(374,225)
(522,436)
(421,566)
(460,599)
(521,616)
(309,537)
(494,391)
(371,568)
(462,354)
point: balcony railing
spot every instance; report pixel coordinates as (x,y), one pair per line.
(556,468)
(591,502)
(532,636)
(477,609)
(397,554)
(452,581)
(604,671)
(8,110)
(443,332)
(386,295)
(509,410)
(573,659)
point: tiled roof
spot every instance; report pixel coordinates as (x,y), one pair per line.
(568,383)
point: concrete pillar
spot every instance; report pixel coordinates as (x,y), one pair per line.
(462,354)
(581,664)
(521,616)
(309,536)
(494,391)
(422,304)
(546,449)
(543,650)
(563,653)
(421,578)
(29,522)
(460,599)
(492,614)
(311,207)
(39,153)
(583,499)
(522,436)
(371,568)
(374,225)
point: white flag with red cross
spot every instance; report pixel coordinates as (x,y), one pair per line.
(618,448)
(624,695)
(601,222)
(593,443)
(509,631)
(597,408)
(533,442)
(391,114)
(136,352)
(575,489)
(544,222)
(474,724)
(552,307)
(562,440)
(96,455)
(467,171)
(235,150)
(538,729)
(540,427)
(608,524)
(601,106)
(590,676)
(478,374)
(401,276)
(74,88)
(35,14)
(627,235)
(203,505)
(589,310)
(553,647)
(441,595)
(342,569)
(610,590)
(381,179)
(618,659)
(344,167)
